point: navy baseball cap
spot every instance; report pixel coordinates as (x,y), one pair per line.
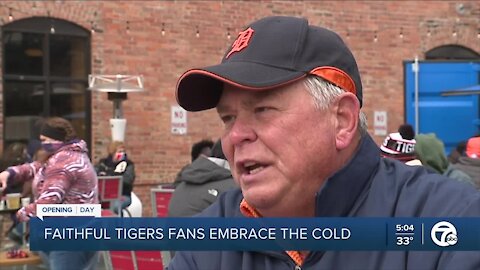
(272,52)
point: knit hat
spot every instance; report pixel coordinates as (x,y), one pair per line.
(473,147)
(406,131)
(394,146)
(56,133)
(269,53)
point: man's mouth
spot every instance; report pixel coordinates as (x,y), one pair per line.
(253,167)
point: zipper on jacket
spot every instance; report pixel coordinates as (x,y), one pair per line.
(297,267)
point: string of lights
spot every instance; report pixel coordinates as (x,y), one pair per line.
(456,25)
(12,12)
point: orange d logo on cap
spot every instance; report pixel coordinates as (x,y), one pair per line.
(241,42)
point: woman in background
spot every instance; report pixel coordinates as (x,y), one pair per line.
(66,177)
(117,163)
(15,154)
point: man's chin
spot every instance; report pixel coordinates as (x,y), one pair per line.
(259,201)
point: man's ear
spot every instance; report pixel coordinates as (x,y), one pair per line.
(346,111)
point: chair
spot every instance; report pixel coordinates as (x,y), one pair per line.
(160,200)
(135,209)
(109,190)
(135,260)
(120,260)
(147,259)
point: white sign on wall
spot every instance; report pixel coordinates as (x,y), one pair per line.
(179,120)
(380,122)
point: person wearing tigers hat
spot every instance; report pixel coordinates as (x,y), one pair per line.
(470,162)
(401,146)
(396,147)
(289,96)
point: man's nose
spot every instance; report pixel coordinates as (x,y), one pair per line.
(242,131)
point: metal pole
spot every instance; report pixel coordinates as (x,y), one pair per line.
(416,70)
(117,109)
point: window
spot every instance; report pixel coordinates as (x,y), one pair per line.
(45,74)
(451,52)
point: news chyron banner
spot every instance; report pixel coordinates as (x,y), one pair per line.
(79,227)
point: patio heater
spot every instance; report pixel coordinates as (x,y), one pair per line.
(117,88)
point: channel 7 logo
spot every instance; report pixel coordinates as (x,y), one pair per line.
(447,233)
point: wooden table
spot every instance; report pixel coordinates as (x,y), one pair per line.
(31,259)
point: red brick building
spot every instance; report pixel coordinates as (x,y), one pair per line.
(162,39)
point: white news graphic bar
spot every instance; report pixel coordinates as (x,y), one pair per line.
(68,210)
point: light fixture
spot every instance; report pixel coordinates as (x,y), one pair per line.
(228,33)
(117,87)
(375,37)
(401,33)
(92,24)
(52,28)
(116,83)
(163,29)
(128,27)
(10,16)
(197,34)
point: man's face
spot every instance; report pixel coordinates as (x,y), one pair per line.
(279,147)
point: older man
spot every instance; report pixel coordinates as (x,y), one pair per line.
(289,95)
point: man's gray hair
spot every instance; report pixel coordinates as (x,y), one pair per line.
(324,92)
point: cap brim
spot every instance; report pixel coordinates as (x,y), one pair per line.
(201,89)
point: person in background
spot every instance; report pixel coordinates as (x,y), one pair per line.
(289,96)
(34,142)
(32,148)
(431,152)
(201,148)
(200,184)
(401,146)
(118,163)
(470,162)
(458,152)
(15,154)
(66,177)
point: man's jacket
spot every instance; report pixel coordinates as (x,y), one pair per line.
(368,186)
(470,166)
(198,186)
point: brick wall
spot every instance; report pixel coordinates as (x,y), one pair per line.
(163,58)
